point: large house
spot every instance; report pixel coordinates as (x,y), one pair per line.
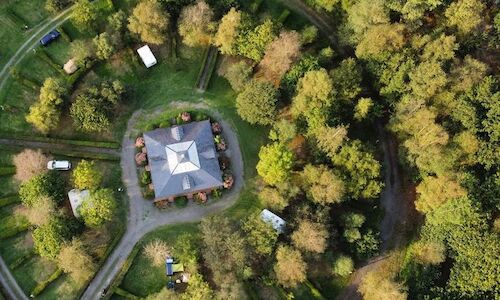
(183,160)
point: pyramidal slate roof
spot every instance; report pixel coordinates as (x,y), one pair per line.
(183,159)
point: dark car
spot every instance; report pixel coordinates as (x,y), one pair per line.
(49,37)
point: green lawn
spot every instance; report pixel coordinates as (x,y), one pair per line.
(142,278)
(13,35)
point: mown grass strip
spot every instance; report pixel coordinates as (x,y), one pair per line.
(21,260)
(9,199)
(96,144)
(70,153)
(44,284)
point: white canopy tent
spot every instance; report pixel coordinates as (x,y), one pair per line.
(147,56)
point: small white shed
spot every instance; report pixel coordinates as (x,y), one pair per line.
(147,56)
(275,221)
(76,198)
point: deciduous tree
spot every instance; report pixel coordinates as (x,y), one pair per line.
(314,98)
(343,266)
(256,104)
(260,235)
(104,47)
(310,236)
(238,75)
(381,38)
(435,190)
(49,238)
(465,15)
(84,14)
(40,214)
(87,176)
(279,55)
(275,163)
(290,267)
(253,42)
(99,208)
(360,171)
(377,286)
(30,163)
(150,21)
(49,184)
(196,25)
(157,252)
(228,31)
(74,260)
(272,198)
(322,185)
(346,79)
(330,139)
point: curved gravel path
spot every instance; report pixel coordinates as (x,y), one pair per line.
(144,217)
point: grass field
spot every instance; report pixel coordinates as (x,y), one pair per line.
(14,14)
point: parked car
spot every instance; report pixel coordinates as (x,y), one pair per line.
(61,165)
(49,37)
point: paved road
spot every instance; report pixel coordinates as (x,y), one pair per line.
(32,41)
(9,284)
(143,217)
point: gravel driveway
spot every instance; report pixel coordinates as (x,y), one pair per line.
(144,217)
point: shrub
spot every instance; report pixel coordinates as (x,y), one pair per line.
(49,184)
(141,159)
(343,265)
(216,128)
(139,142)
(186,117)
(157,252)
(181,202)
(228,181)
(145,177)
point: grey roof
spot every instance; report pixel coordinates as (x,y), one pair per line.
(182,159)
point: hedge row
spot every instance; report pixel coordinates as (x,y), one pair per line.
(284,15)
(43,285)
(123,271)
(73,78)
(111,247)
(254,7)
(8,200)
(64,34)
(7,170)
(24,80)
(125,294)
(18,262)
(15,18)
(45,57)
(87,155)
(96,144)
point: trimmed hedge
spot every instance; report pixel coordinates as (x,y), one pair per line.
(7,170)
(207,66)
(123,271)
(44,284)
(73,78)
(64,34)
(96,144)
(125,294)
(13,231)
(45,57)
(23,80)
(18,262)
(284,15)
(15,18)
(9,199)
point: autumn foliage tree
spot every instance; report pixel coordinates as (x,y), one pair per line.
(196,25)
(310,236)
(290,267)
(29,163)
(150,21)
(74,260)
(275,163)
(279,56)
(322,185)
